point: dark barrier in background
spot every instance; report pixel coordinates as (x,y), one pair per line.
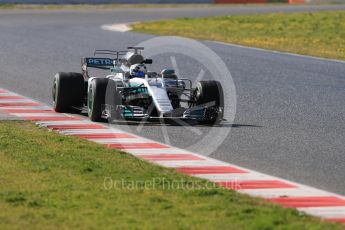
(103,1)
(240,1)
(157,1)
(258,1)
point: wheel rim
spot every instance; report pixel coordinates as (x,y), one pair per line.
(197,94)
(89,100)
(54,93)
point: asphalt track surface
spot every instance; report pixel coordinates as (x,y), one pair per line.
(290,109)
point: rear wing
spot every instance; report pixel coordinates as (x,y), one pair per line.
(99,63)
(121,57)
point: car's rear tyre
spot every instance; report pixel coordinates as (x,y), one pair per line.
(67,91)
(96,98)
(209,94)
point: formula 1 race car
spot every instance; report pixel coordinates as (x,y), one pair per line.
(132,92)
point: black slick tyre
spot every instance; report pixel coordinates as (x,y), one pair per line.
(67,91)
(209,94)
(96,98)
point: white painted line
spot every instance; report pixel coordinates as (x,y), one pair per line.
(137,152)
(156,151)
(120,27)
(40,115)
(16,100)
(325,212)
(278,52)
(189,163)
(284,192)
(118,140)
(27,107)
(171,151)
(9,94)
(234,177)
(137,146)
(55,123)
(86,131)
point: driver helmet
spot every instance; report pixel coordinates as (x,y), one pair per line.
(138,70)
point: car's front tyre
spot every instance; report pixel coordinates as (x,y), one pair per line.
(209,94)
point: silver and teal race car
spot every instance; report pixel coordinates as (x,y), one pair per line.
(129,91)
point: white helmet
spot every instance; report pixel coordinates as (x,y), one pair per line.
(138,70)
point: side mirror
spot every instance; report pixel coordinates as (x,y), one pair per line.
(147,61)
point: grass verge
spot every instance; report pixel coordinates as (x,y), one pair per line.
(319,34)
(49,181)
(110,6)
(93,6)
